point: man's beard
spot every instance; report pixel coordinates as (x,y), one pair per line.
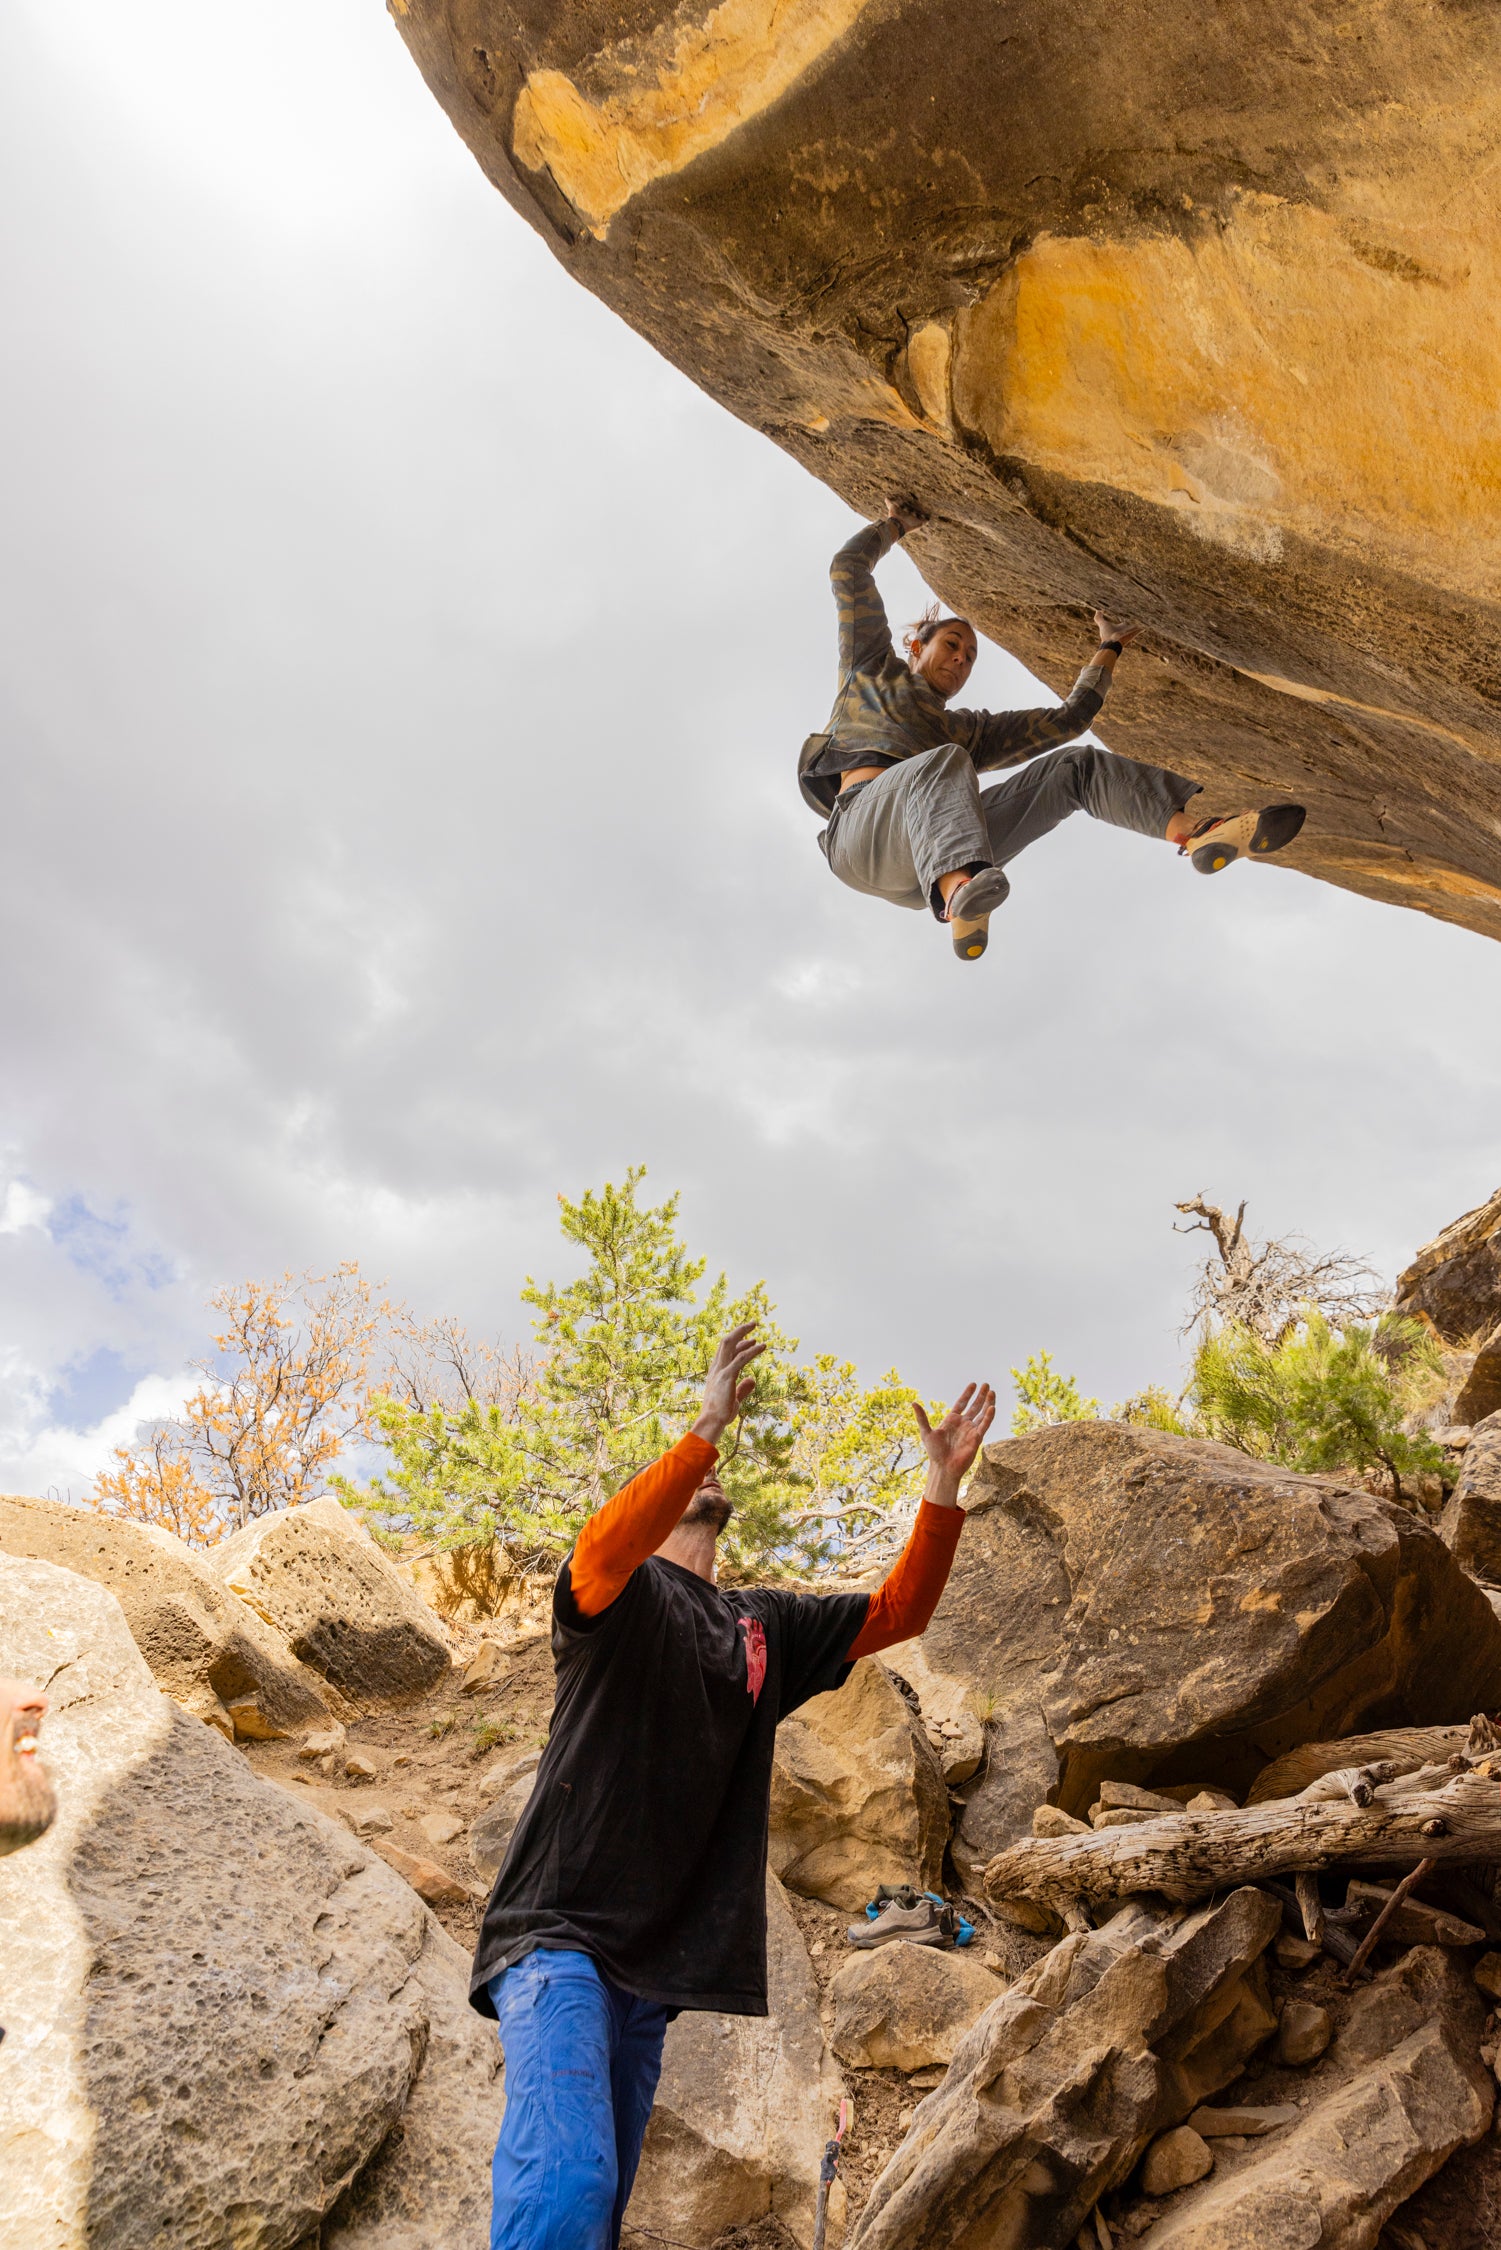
(711,1508)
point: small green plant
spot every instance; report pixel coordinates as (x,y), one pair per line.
(1154,1409)
(487,1732)
(1047,1397)
(438,1728)
(1320,1399)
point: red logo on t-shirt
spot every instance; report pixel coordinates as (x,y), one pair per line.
(755,1655)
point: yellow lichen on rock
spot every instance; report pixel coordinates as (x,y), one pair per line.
(1284,373)
(704,80)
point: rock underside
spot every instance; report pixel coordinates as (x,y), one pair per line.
(1205,336)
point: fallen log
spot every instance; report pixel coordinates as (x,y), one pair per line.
(1407,1747)
(1188,1857)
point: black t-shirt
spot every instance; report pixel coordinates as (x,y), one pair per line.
(643,1843)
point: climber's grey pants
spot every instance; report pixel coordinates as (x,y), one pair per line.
(895,836)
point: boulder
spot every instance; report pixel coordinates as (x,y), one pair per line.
(227,2021)
(1149,1608)
(1175,2160)
(1454,1282)
(906,2007)
(951,1716)
(743,2110)
(857,1797)
(1207,337)
(1470,1525)
(318,1577)
(1303,2033)
(1401,2089)
(1112,2039)
(207,1649)
(1480,1394)
(491,1834)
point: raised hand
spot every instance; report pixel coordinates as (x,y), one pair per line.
(1109,629)
(906,511)
(953,1445)
(728,1387)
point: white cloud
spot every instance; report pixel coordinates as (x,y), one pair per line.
(64,1462)
(22,1207)
(403,670)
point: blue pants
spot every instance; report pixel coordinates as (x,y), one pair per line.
(582,2063)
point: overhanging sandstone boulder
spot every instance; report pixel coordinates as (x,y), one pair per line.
(316,1574)
(227,2022)
(205,1647)
(1110,2040)
(1206,336)
(743,2109)
(857,1797)
(1140,1607)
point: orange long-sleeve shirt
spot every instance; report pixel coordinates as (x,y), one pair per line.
(618,1538)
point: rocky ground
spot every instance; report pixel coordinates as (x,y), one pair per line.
(1181,1726)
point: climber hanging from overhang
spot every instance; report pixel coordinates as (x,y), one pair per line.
(897,772)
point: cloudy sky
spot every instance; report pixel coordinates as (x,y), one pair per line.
(401,672)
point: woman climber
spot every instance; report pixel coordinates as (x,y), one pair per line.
(897,772)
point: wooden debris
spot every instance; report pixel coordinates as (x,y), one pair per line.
(1414,1923)
(1406,1747)
(1310,1906)
(1187,1856)
(1358,1783)
(1387,1915)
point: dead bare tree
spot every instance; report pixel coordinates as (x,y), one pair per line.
(438,1363)
(1268,1286)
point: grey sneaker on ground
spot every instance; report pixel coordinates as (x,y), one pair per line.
(914,1925)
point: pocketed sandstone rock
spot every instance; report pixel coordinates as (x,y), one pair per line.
(857,1796)
(205,1647)
(906,2007)
(316,1575)
(224,2002)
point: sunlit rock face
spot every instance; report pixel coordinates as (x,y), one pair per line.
(1187,309)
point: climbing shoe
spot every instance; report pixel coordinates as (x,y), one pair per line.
(970,910)
(1254,835)
(906,1915)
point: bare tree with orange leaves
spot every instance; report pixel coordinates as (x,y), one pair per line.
(287,1394)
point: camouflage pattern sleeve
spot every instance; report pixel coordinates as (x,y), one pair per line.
(1009,738)
(864,634)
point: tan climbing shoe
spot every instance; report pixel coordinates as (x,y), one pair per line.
(1252,835)
(970,910)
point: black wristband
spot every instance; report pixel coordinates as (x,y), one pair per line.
(1119,647)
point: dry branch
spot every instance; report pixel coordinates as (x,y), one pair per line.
(1367,1945)
(1189,1857)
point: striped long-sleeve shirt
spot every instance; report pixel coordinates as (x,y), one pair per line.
(884,712)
